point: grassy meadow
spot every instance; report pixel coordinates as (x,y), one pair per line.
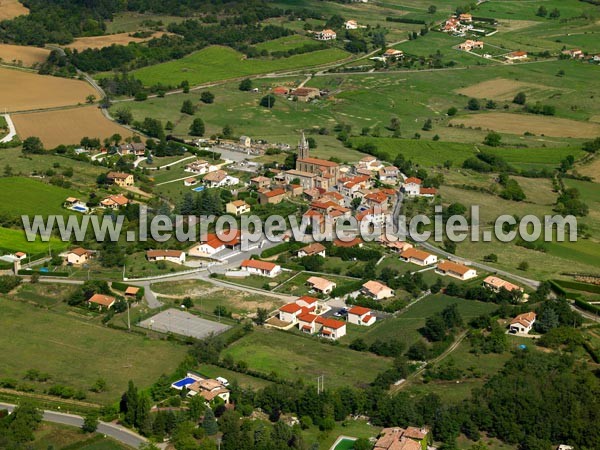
(34,197)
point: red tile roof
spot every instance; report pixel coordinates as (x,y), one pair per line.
(359,310)
(260,265)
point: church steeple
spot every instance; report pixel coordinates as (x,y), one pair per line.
(303,148)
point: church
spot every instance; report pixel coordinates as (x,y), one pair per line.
(324,173)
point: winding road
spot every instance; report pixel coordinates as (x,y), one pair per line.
(117,432)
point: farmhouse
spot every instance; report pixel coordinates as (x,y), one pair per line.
(120,178)
(396,246)
(393,53)
(200,167)
(280,90)
(102,301)
(271,197)
(304,94)
(495,284)
(115,201)
(326,35)
(523,323)
(469,45)
(132,291)
(260,182)
(174,256)
(237,207)
(311,250)
(358,315)
(77,256)
(455,270)
(376,290)
(516,56)
(219,178)
(351,25)
(573,53)
(465,17)
(418,257)
(321,285)
(190,181)
(396,438)
(135,148)
(261,268)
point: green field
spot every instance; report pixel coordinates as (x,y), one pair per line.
(52,435)
(76,352)
(31,197)
(294,356)
(405,327)
(221,63)
(284,43)
(15,240)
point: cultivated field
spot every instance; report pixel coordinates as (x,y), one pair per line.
(221,63)
(536,124)
(11,8)
(300,357)
(108,40)
(67,126)
(76,352)
(25,91)
(22,55)
(503,89)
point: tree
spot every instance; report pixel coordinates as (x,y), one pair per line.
(362,444)
(33,145)
(473,104)
(520,98)
(246,85)
(197,127)
(428,125)
(90,99)
(124,115)
(207,97)
(554,14)
(90,422)
(268,101)
(209,423)
(227,131)
(492,139)
(261,316)
(542,11)
(188,107)
(188,302)
(185,86)
(523,265)
(452,111)
(432,9)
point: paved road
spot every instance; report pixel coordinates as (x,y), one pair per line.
(12,132)
(112,430)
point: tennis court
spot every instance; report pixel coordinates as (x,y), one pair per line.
(183,323)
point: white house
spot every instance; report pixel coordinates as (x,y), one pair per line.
(307,323)
(174,256)
(102,301)
(290,312)
(237,207)
(77,256)
(516,56)
(418,257)
(495,284)
(261,268)
(412,186)
(389,174)
(200,167)
(326,35)
(311,250)
(456,270)
(209,246)
(377,290)
(331,328)
(359,315)
(209,390)
(321,285)
(523,323)
(220,178)
(351,25)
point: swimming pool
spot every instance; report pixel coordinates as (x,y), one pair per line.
(79,208)
(198,189)
(184,382)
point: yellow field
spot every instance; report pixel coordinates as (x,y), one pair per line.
(24,91)
(502,89)
(521,123)
(10,9)
(28,56)
(591,169)
(108,40)
(66,126)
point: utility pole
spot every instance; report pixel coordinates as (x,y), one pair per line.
(128,318)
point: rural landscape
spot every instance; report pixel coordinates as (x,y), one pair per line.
(477,122)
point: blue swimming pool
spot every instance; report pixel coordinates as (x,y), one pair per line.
(198,189)
(184,382)
(79,208)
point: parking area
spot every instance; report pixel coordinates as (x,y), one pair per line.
(183,323)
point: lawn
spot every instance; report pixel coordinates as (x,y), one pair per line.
(76,352)
(297,284)
(222,63)
(53,435)
(34,197)
(292,356)
(353,428)
(14,240)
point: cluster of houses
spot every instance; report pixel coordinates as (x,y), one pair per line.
(579,54)
(459,25)
(114,201)
(308,315)
(213,176)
